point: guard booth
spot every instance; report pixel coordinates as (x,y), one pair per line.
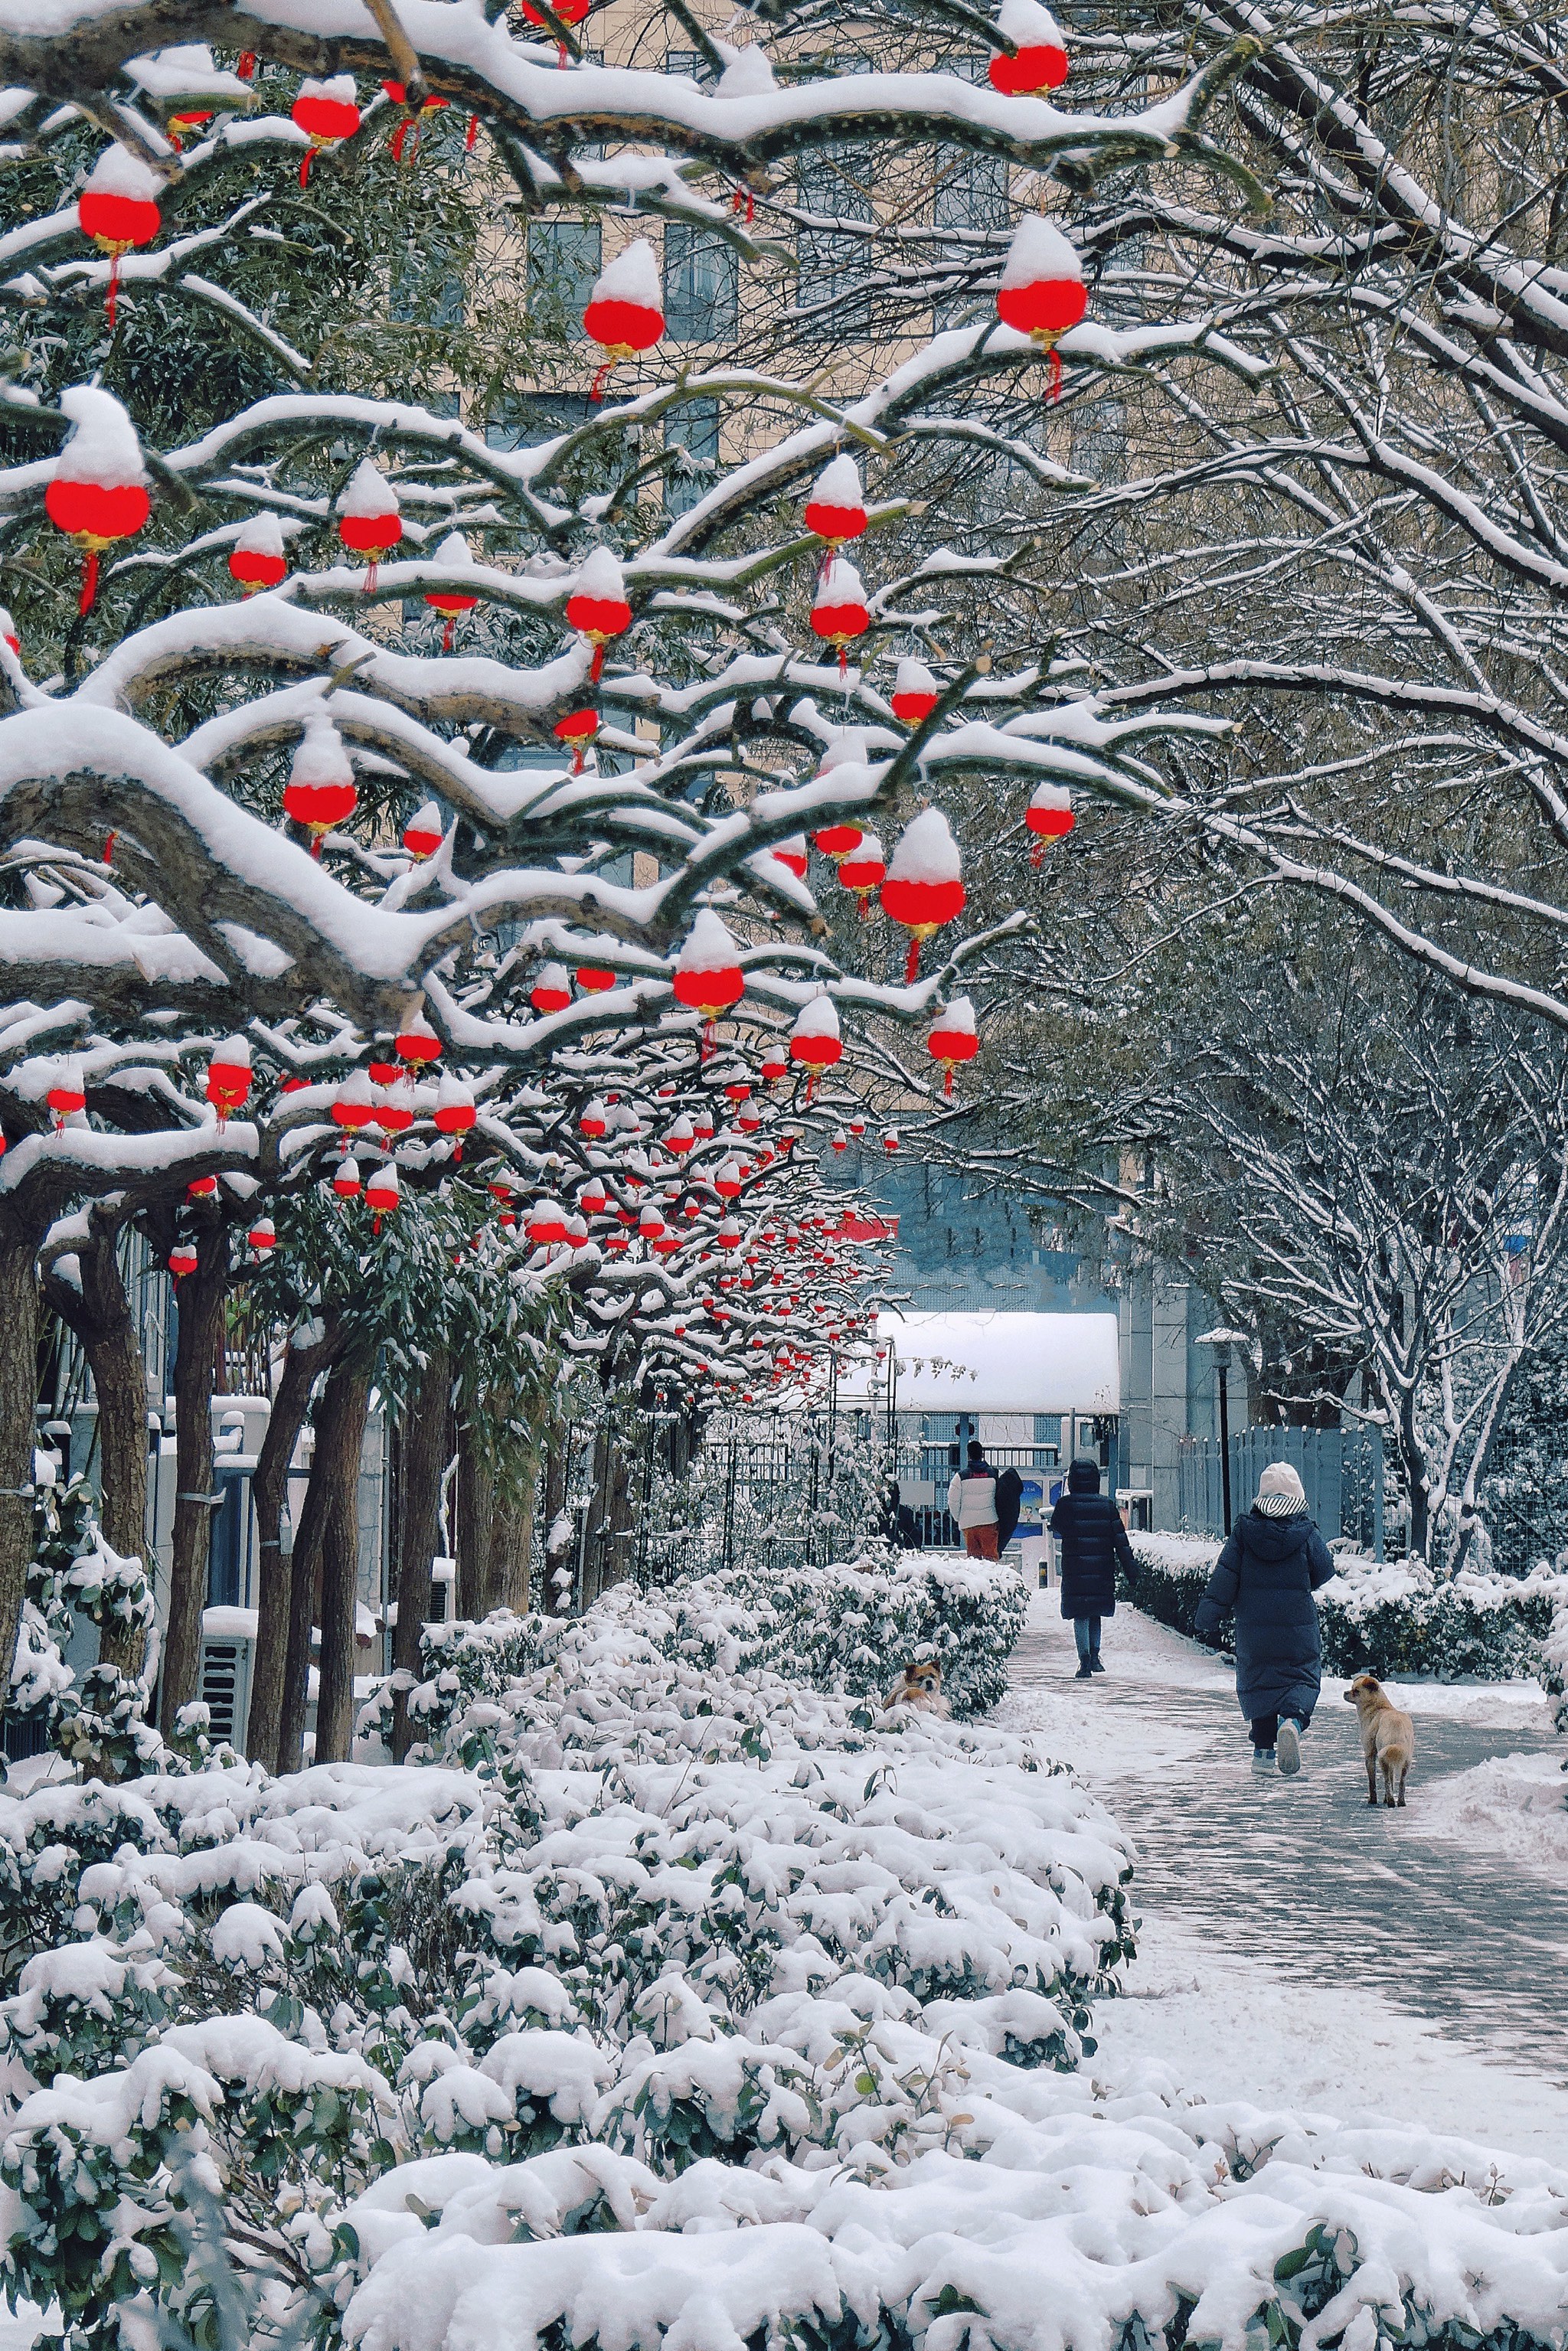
(1035,1389)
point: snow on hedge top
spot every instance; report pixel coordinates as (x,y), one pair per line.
(1038,254)
(117,172)
(632,277)
(709,946)
(104,448)
(928,851)
(366,492)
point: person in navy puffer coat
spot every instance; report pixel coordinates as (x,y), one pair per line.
(1088,1525)
(1268,1572)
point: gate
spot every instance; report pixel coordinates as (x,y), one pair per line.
(1341,1468)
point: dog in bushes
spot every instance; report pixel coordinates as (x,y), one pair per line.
(920,1687)
(1387,1739)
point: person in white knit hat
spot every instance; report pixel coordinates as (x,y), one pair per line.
(1266,1574)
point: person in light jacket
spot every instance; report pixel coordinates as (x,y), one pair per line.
(1088,1526)
(1268,1572)
(972,1503)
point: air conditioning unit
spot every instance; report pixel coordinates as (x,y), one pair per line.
(228,1659)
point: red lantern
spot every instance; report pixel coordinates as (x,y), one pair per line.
(256,560)
(202,1187)
(857,1128)
(327,112)
(774,1064)
(355,1105)
(1049,817)
(793,855)
(597,606)
(953,1038)
(841,614)
(422,835)
(748,1120)
(430,104)
(864,870)
(417,1040)
(551,991)
(915,693)
(681,1138)
(593,1122)
(9,632)
(708,978)
(383,1195)
(118,208)
(1043,293)
(98,492)
(728,1181)
(546,1227)
(667,1244)
(456,553)
(840,1141)
(595,982)
(183,1259)
(321,791)
(67,1095)
(263,1236)
(625,312)
(890,1140)
(229,1077)
(650,1224)
(454,1110)
(370,520)
(576,730)
(835,510)
(702,1121)
(1040,59)
(394,1108)
(346,1179)
(923,888)
(815,1042)
(617,1244)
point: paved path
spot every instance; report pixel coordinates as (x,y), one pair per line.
(1301,1872)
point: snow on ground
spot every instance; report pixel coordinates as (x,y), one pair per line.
(1310,2028)
(1514,1803)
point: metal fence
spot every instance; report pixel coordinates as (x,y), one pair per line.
(1342,1470)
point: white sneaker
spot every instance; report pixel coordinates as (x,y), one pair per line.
(1288,1745)
(1262,1759)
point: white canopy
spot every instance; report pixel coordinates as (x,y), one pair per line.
(995,1362)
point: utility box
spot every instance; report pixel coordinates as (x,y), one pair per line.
(228,1661)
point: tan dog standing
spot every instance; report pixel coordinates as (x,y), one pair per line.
(921,1687)
(1387,1739)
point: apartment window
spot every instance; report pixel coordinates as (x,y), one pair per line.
(701,284)
(522,420)
(564,259)
(427,287)
(692,432)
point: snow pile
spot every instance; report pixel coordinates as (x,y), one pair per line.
(1382,1616)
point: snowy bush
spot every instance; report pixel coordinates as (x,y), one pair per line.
(1382,1616)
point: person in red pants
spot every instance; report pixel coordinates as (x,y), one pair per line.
(972,1503)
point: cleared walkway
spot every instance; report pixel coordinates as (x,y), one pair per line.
(1300,1874)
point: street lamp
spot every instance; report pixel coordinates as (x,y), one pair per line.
(1220,1343)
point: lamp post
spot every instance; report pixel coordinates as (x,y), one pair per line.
(1220,1341)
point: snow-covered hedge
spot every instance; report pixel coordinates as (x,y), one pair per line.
(697,2011)
(1384,1616)
(848,1628)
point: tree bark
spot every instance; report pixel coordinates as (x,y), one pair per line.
(99,1315)
(200,1298)
(476,1498)
(511,1552)
(269,1491)
(340,1440)
(19,1401)
(425,1440)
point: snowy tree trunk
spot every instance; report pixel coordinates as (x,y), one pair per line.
(340,1440)
(269,1489)
(99,1316)
(425,1437)
(201,1303)
(511,1552)
(19,1397)
(476,1524)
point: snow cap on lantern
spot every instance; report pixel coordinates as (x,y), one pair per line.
(453,554)
(228,1075)
(346,1178)
(1049,816)
(1040,62)
(915,693)
(708,977)
(551,991)
(841,612)
(1043,293)
(382,1193)
(422,835)
(66,1094)
(863,869)
(257,559)
(263,1236)
(321,791)
(836,509)
(625,311)
(327,111)
(416,1040)
(118,209)
(814,1040)
(923,888)
(97,492)
(746,74)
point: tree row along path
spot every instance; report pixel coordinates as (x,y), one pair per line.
(1370,1933)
